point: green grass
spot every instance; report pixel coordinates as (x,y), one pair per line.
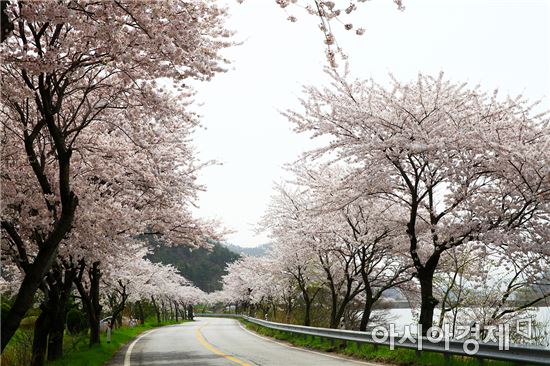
(75,348)
(380,353)
(77,351)
(18,350)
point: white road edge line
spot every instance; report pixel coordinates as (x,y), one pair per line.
(129,350)
(305,350)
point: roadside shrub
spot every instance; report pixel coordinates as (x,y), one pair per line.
(76,321)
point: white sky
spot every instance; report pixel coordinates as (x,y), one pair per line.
(504,44)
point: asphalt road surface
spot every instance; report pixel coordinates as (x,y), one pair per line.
(217,342)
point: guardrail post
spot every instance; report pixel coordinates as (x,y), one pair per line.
(480,361)
(447,358)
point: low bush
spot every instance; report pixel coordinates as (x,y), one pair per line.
(76,321)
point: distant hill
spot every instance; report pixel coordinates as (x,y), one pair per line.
(258,251)
(203,267)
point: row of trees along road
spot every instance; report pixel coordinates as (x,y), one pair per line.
(96,150)
(420,182)
(96,135)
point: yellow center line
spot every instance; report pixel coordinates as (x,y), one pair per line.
(213,349)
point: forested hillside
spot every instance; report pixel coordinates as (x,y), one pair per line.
(201,266)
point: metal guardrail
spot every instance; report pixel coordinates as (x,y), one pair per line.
(520,355)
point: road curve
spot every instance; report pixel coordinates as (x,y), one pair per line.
(217,342)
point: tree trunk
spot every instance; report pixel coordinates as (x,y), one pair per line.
(176,311)
(57,330)
(157,311)
(140,313)
(34,276)
(24,299)
(55,342)
(46,255)
(288,312)
(307,315)
(119,308)
(40,339)
(90,299)
(308,300)
(190,312)
(425,272)
(337,310)
(333,308)
(367,310)
(428,302)
(184,311)
(274,314)
(453,330)
(341,310)
(95,275)
(93,323)
(50,325)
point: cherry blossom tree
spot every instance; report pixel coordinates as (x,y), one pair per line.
(71,65)
(463,164)
(294,250)
(330,14)
(337,242)
(366,229)
(335,258)
(379,253)
(95,237)
(249,282)
(299,265)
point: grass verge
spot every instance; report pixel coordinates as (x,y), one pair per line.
(79,353)
(380,353)
(18,350)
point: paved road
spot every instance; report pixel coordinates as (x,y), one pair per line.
(217,342)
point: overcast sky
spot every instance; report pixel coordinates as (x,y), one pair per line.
(498,44)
